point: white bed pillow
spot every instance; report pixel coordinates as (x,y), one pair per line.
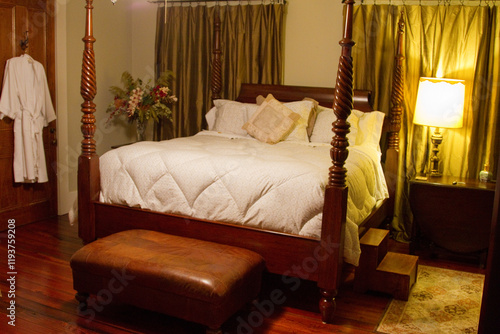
(366,127)
(229,116)
(304,109)
(369,128)
(322,131)
(210,117)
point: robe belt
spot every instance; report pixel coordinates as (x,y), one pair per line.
(30,123)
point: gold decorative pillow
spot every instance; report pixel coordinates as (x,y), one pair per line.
(272,121)
(307,111)
(260,99)
(312,116)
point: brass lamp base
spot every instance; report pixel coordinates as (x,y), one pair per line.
(435,174)
(436,139)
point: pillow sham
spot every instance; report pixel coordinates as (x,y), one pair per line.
(272,121)
(322,131)
(230,116)
(304,109)
(210,118)
(366,127)
(369,128)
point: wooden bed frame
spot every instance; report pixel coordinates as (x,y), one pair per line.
(285,254)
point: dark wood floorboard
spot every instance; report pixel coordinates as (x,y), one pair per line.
(45,301)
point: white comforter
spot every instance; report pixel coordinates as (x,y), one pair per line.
(241,180)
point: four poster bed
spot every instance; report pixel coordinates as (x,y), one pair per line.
(315,254)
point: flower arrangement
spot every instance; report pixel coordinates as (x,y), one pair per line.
(142,102)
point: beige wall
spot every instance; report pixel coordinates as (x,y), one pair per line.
(313,30)
(113,47)
(125,40)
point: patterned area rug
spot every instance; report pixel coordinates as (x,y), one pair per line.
(441,301)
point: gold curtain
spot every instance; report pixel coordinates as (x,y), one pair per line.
(251,43)
(458,42)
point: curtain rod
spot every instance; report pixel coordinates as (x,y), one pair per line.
(216,1)
(430,2)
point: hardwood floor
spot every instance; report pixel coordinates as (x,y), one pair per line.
(44,296)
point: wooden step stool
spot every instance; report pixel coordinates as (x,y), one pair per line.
(383,271)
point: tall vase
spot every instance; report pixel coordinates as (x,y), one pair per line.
(141,129)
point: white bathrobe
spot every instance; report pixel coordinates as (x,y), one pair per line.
(26,99)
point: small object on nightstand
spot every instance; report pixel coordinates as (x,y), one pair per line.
(454,182)
(421,178)
(484,175)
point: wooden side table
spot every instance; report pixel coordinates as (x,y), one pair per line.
(452,213)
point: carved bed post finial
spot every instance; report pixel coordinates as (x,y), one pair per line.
(88,87)
(216,62)
(397,94)
(342,104)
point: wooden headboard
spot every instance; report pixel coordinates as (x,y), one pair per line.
(324,96)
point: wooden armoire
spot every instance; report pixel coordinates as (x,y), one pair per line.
(33,20)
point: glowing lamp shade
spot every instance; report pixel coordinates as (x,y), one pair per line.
(440,103)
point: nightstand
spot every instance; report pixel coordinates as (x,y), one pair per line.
(453,214)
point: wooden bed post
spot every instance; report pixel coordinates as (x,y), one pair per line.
(216,62)
(397,97)
(334,212)
(88,161)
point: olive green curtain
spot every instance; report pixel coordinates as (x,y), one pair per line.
(251,43)
(457,42)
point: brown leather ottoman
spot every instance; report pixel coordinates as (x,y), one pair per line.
(195,280)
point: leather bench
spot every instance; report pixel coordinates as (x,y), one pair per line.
(194,280)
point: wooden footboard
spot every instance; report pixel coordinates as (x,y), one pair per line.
(284,253)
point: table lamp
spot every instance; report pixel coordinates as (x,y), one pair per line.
(440,104)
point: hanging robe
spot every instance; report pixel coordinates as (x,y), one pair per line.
(26,99)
